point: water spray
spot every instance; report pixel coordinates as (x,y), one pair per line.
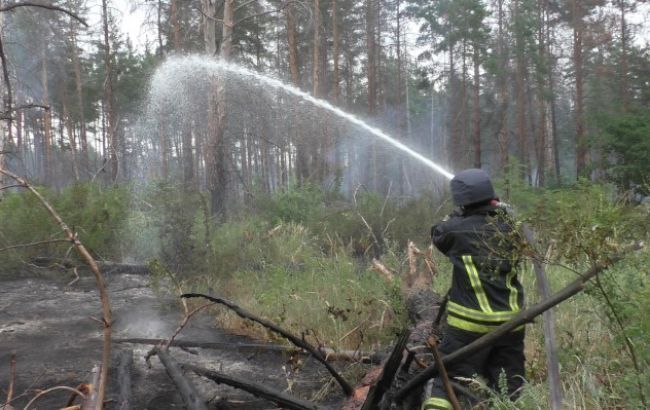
(212,65)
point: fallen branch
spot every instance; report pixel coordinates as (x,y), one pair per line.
(50,390)
(124,368)
(184,322)
(99,279)
(329,354)
(284,333)
(548,324)
(282,400)
(92,397)
(185,388)
(105,266)
(27,245)
(521,318)
(385,273)
(376,393)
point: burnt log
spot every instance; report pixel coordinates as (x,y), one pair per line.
(329,354)
(279,398)
(124,369)
(187,390)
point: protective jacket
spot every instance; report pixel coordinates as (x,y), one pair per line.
(485,291)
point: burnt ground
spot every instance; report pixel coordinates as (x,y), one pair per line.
(50,328)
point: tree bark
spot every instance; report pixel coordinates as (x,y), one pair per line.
(47,119)
(581,139)
(80,97)
(476,109)
(522,129)
(109,103)
(187,390)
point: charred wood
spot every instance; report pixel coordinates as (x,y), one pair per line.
(185,387)
(279,398)
(124,369)
(300,342)
(330,354)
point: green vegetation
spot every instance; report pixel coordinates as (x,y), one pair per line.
(301,258)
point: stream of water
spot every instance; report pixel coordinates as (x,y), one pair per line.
(211,66)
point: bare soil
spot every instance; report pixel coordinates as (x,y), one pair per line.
(51,329)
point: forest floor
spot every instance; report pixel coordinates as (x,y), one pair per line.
(50,328)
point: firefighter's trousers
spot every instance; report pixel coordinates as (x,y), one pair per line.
(502,364)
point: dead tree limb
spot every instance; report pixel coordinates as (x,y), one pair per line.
(329,354)
(124,368)
(99,279)
(521,318)
(376,393)
(184,322)
(44,6)
(50,390)
(27,245)
(548,324)
(282,332)
(92,397)
(385,273)
(185,388)
(281,399)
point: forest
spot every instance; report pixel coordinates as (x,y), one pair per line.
(285,160)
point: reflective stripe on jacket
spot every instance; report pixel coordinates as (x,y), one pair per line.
(485,291)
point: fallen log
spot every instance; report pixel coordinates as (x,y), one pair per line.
(279,398)
(104,266)
(284,333)
(124,369)
(187,390)
(522,318)
(330,354)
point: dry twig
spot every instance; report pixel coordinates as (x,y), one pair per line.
(50,390)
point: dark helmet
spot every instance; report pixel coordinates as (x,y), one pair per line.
(471,186)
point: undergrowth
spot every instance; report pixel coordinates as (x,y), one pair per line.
(301,258)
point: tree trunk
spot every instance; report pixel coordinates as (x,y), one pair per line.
(336,81)
(176,26)
(625,95)
(80,98)
(581,140)
(47,120)
(215,152)
(315,157)
(111,126)
(503,137)
(541,99)
(522,130)
(476,109)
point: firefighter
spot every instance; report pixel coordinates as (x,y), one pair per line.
(480,242)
